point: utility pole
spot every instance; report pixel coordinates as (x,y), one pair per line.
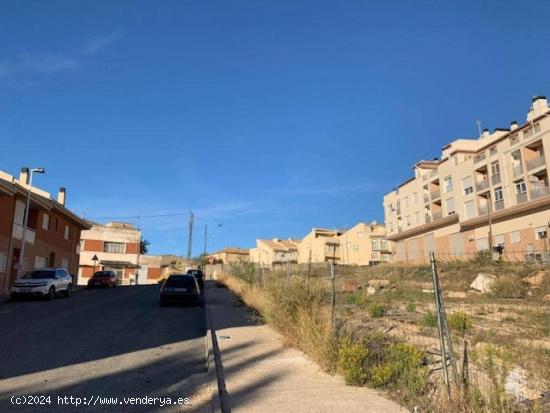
(190,240)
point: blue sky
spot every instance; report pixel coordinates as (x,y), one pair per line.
(267,117)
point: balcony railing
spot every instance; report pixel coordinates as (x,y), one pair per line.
(540,191)
(482,185)
(435,195)
(536,162)
(426,198)
(495,179)
(517,170)
(30,234)
(499,204)
(479,158)
(520,198)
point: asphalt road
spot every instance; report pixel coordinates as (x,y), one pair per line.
(98,345)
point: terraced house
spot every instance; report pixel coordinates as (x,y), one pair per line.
(52,236)
(483,193)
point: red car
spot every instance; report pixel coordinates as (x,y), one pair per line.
(103,279)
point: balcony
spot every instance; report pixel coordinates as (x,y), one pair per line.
(540,192)
(435,195)
(436,216)
(483,185)
(479,158)
(521,198)
(495,179)
(517,170)
(499,204)
(30,234)
(483,210)
(426,198)
(536,162)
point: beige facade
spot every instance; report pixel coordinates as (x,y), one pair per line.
(365,244)
(229,255)
(320,245)
(274,251)
(500,177)
(116,246)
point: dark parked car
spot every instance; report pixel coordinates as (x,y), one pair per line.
(199,276)
(180,289)
(103,279)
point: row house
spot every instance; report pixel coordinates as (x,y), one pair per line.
(487,192)
(365,244)
(52,235)
(229,255)
(116,247)
(275,251)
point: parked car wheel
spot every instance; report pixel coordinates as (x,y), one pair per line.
(51,294)
(68,291)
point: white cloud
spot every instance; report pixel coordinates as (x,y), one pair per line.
(96,43)
(37,63)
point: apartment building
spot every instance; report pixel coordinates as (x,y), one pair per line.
(365,244)
(116,247)
(320,245)
(485,192)
(229,255)
(275,251)
(52,234)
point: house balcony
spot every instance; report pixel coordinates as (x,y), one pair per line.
(436,216)
(435,195)
(499,204)
(540,192)
(482,186)
(536,162)
(426,198)
(521,198)
(483,210)
(30,234)
(479,158)
(495,179)
(517,170)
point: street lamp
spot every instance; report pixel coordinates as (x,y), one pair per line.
(26,218)
(206,235)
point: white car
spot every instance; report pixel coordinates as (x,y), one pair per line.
(46,282)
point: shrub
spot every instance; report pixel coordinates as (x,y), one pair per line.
(411,307)
(381,374)
(509,286)
(352,357)
(460,322)
(376,310)
(429,320)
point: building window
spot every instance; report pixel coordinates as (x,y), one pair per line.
(383,244)
(541,233)
(355,247)
(450,204)
(482,244)
(67,233)
(448,184)
(537,127)
(408,220)
(415,196)
(470,209)
(40,262)
(46,222)
(515,237)
(374,256)
(514,140)
(406,199)
(385,257)
(114,247)
(499,239)
(374,244)
(417,217)
(467,185)
(495,168)
(521,188)
(492,150)
(3,262)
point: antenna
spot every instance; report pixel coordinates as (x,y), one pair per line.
(190,240)
(478,123)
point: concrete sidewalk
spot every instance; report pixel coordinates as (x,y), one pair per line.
(264,376)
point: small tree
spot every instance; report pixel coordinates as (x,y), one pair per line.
(144,246)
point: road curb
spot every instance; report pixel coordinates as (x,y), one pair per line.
(214,367)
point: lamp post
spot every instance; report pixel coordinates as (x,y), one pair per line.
(206,235)
(26,219)
(95,259)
